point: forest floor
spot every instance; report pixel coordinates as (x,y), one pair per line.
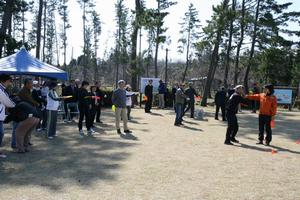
(165,162)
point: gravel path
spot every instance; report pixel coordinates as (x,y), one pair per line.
(166,162)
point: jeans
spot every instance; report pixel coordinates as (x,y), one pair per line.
(13,135)
(1,132)
(179,112)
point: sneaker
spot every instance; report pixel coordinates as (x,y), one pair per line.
(70,121)
(90,132)
(81,133)
(30,144)
(65,120)
(267,143)
(39,129)
(2,155)
(119,131)
(228,143)
(50,137)
(234,140)
(127,131)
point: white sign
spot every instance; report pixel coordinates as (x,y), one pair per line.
(155,83)
(284,96)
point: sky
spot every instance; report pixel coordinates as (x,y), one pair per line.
(106,9)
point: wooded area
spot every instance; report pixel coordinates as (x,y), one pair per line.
(245,41)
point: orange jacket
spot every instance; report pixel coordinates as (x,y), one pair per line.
(268,104)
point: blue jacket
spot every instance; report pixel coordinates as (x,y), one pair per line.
(162,88)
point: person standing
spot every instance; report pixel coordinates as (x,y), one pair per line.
(232,108)
(85,105)
(174,90)
(37,96)
(161,94)
(44,93)
(119,100)
(149,95)
(129,95)
(179,103)
(5,102)
(190,93)
(99,106)
(95,99)
(52,108)
(220,101)
(70,103)
(25,93)
(267,112)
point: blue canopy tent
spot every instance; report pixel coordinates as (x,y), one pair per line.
(22,63)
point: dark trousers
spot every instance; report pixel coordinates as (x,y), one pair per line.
(128,112)
(265,123)
(84,113)
(222,110)
(52,121)
(98,112)
(93,113)
(232,128)
(148,105)
(43,121)
(190,106)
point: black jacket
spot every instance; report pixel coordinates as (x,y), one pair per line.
(149,90)
(37,96)
(94,99)
(233,103)
(84,98)
(21,111)
(191,93)
(220,98)
(68,91)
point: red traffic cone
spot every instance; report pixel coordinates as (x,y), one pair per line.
(274,151)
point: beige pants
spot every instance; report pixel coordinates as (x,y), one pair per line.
(121,113)
(23,132)
(161,101)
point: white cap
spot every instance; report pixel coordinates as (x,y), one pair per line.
(121,81)
(35,82)
(238,86)
(77,80)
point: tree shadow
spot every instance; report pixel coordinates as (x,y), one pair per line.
(67,158)
(128,136)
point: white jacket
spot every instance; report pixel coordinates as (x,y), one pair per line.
(52,100)
(5,101)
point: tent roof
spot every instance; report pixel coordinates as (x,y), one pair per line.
(24,64)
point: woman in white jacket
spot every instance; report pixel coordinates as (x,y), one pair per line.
(5,101)
(52,108)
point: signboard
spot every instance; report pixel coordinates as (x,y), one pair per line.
(144,82)
(284,96)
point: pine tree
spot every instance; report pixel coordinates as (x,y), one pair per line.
(189,31)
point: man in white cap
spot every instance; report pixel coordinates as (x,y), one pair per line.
(232,108)
(119,100)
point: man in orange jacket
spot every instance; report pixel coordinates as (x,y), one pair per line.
(267,112)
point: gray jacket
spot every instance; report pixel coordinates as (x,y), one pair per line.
(179,96)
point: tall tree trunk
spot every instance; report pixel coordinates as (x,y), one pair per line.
(214,61)
(45,29)
(166,72)
(187,56)
(157,43)
(84,44)
(227,60)
(65,35)
(5,22)
(134,38)
(237,57)
(39,29)
(252,47)
(23,27)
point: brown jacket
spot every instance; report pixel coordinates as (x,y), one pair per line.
(25,95)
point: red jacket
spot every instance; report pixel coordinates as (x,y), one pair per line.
(268,104)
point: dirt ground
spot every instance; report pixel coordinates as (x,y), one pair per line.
(165,162)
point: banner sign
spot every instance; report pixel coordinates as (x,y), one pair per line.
(284,96)
(155,83)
